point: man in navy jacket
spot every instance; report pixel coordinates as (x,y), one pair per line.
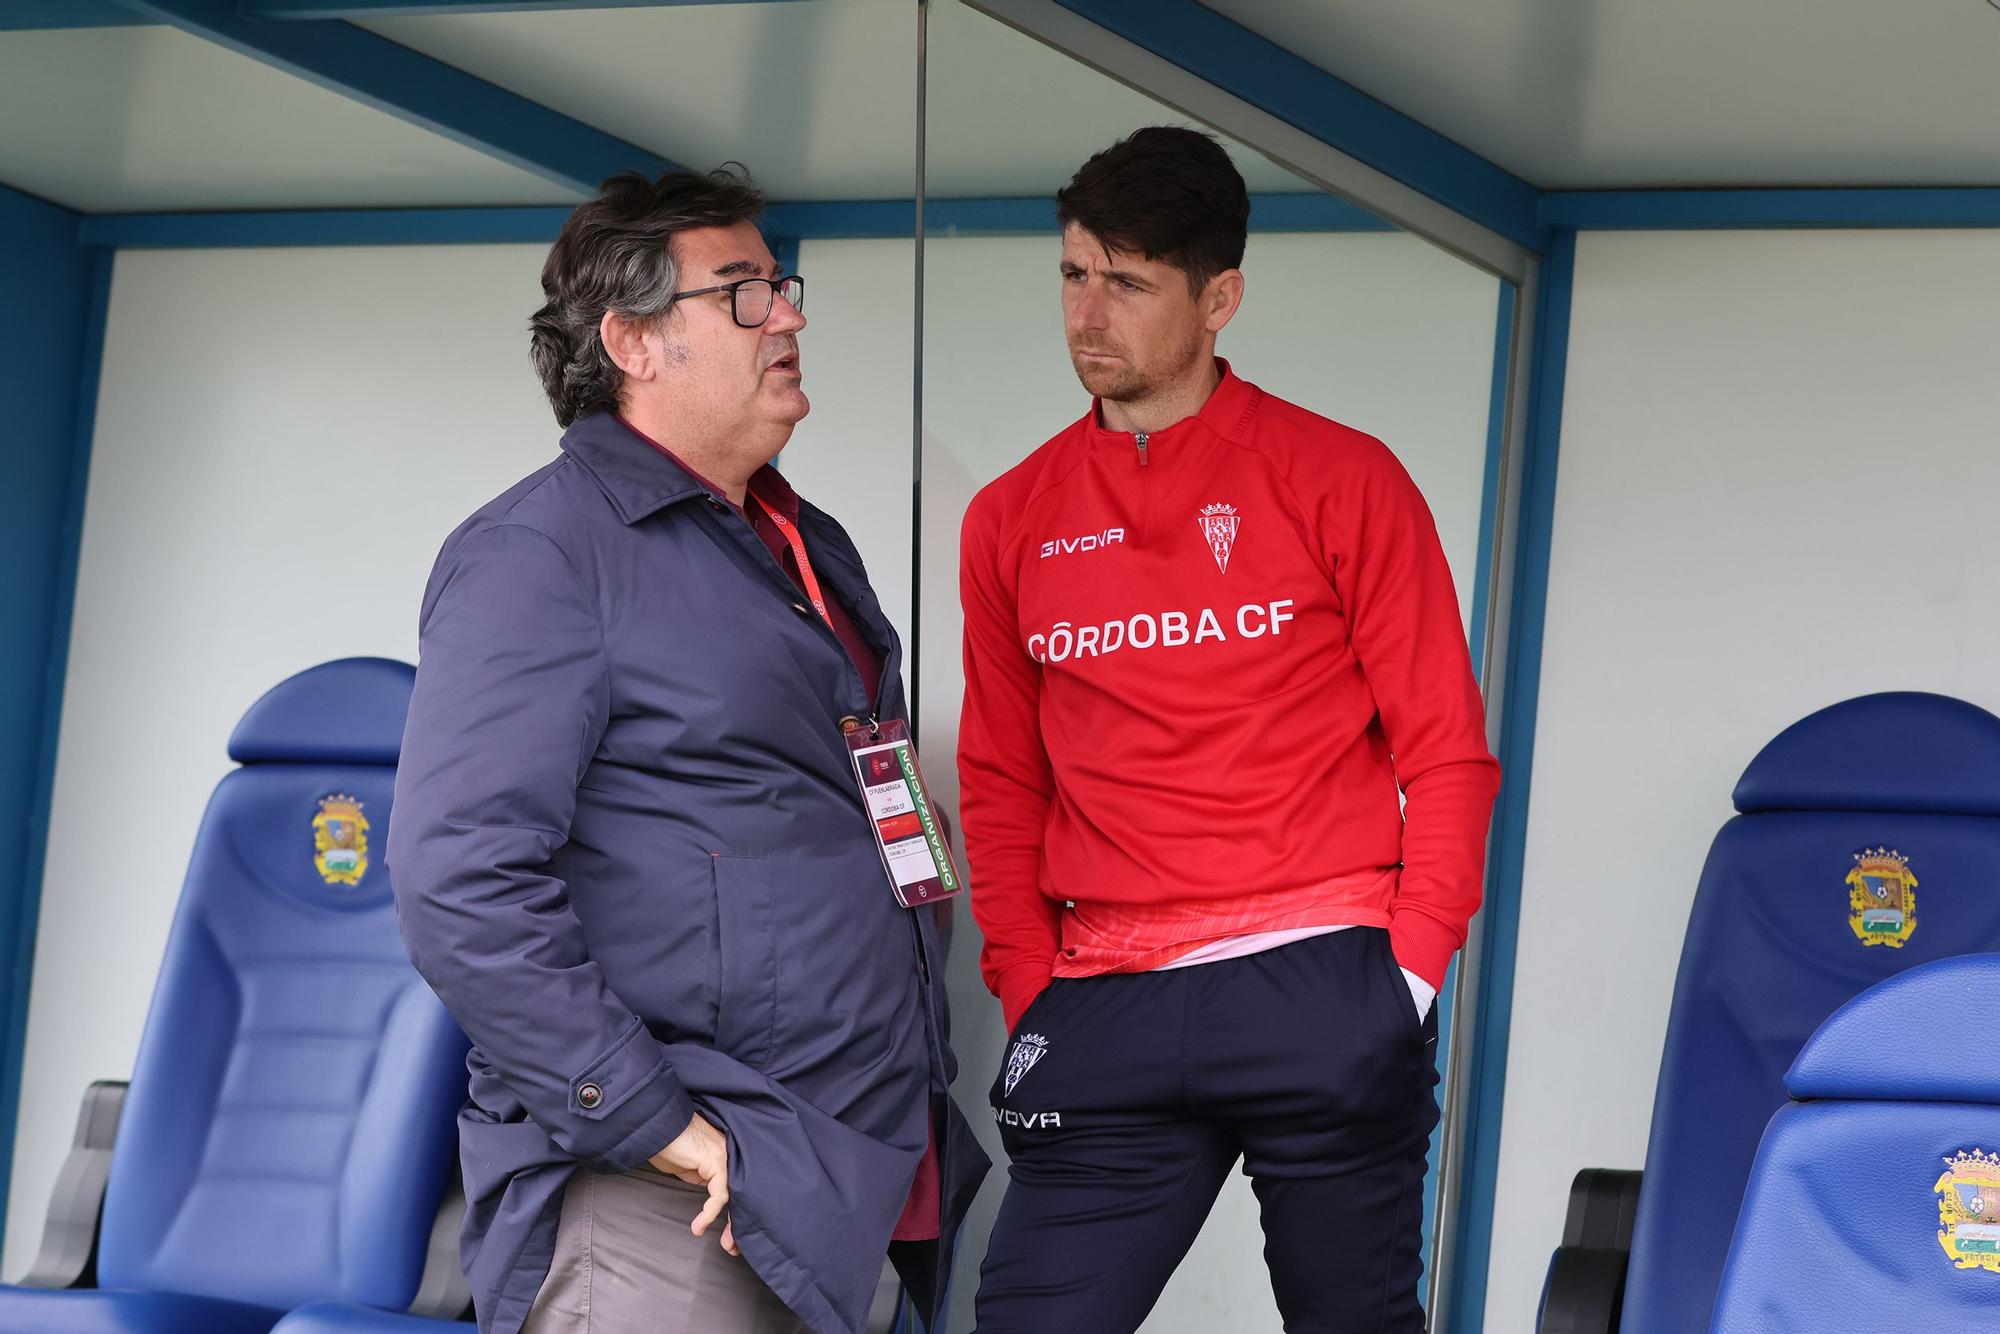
(710,1050)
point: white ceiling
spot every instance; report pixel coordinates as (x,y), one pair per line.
(1620,93)
(1009,116)
(817,99)
(115,120)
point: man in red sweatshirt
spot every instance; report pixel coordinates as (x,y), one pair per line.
(1210,637)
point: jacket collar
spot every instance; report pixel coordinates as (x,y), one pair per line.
(1227,413)
(638,479)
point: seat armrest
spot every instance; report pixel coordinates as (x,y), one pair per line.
(1584,1291)
(1585,1287)
(1603,1203)
(68,1257)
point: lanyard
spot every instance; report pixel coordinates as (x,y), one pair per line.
(797,543)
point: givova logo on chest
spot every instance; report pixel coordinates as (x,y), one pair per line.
(1070,546)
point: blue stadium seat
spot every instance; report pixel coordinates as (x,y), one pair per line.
(289,1129)
(342,1318)
(1868,842)
(1874,1201)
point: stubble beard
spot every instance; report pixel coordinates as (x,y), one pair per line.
(1115,384)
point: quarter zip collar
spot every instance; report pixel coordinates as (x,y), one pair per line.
(1227,413)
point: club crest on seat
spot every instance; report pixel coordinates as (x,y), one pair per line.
(1882,898)
(340,840)
(1969,1209)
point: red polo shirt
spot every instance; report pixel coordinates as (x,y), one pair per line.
(920,1220)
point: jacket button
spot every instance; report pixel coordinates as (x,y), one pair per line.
(589,1096)
(801,609)
(850,725)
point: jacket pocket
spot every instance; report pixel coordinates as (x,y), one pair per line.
(746,1022)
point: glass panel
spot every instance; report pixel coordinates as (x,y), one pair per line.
(1343,315)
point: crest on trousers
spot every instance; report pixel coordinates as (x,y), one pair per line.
(340,840)
(1882,897)
(1218,525)
(1021,1058)
(1968,1197)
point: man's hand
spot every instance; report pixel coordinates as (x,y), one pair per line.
(700,1157)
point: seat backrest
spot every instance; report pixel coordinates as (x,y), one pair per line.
(1874,1201)
(290,1123)
(1868,841)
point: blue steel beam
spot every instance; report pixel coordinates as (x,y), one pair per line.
(1335,112)
(50,338)
(393,9)
(30,15)
(1676,210)
(415,88)
(811,221)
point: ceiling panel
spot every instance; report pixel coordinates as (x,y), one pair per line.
(818,100)
(1010,116)
(1616,93)
(147,118)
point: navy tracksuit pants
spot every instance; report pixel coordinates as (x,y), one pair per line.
(1126,1100)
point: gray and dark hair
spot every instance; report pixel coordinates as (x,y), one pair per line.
(616,253)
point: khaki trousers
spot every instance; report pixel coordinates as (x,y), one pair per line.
(625,1263)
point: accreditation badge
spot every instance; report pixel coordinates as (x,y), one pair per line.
(907,832)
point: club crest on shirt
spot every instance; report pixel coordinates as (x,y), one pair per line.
(340,840)
(1882,897)
(1968,1197)
(1218,527)
(1027,1049)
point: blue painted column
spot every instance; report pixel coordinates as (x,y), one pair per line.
(52,300)
(1502,916)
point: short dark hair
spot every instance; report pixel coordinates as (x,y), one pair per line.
(616,253)
(1167,193)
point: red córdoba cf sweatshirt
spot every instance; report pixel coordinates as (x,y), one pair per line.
(1199,665)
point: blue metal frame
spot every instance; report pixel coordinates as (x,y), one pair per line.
(819,221)
(33,15)
(413,87)
(389,9)
(1494,1000)
(51,346)
(1489,491)
(27,15)
(1275,80)
(1508,298)
(1682,210)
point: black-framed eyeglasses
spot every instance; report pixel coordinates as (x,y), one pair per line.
(751,299)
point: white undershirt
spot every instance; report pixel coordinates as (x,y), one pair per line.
(1422,993)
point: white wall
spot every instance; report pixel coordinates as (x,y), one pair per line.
(1378,330)
(853,456)
(284,438)
(1778,470)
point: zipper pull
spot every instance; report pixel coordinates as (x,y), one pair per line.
(1141,439)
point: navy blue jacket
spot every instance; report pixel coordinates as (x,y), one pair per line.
(630,856)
